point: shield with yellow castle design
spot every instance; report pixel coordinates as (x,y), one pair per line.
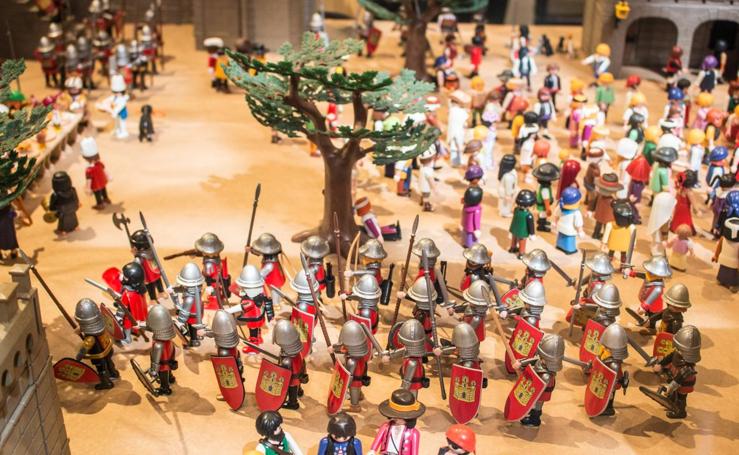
(524,342)
(600,385)
(111,323)
(662,344)
(590,341)
(272,384)
(525,393)
(337,388)
(229,380)
(68,369)
(465,390)
(304,323)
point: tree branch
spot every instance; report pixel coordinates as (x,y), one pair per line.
(360,110)
(318,137)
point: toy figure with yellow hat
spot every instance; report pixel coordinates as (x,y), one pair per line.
(704,101)
(637,105)
(600,60)
(651,137)
(604,94)
(479,99)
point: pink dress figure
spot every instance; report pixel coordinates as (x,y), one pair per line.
(398,435)
(369,220)
(472,207)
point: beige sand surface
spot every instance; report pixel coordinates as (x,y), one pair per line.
(199,175)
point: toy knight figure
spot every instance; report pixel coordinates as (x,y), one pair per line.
(132,297)
(367,293)
(371,254)
(190,313)
(163,351)
(354,344)
(45,54)
(215,269)
(677,301)
(614,351)
(657,269)
(342,430)
(608,300)
(274,439)
(399,434)
(601,271)
(437,276)
(537,265)
(315,250)
(97,177)
(413,338)
(97,345)
(226,337)
(546,365)
(477,308)
(286,336)
(679,367)
(254,305)
(143,255)
(477,266)
(267,246)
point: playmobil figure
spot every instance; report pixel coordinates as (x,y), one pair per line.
(97,344)
(45,54)
(635,129)
(437,275)
(620,230)
(600,60)
(96,176)
(546,365)
(369,220)
(686,201)
(708,75)
(600,272)
(568,176)
(226,337)
(608,300)
(478,100)
(632,86)
(64,203)
(677,299)
(527,136)
(286,336)
(695,140)
(626,151)
(727,255)
(704,101)
(367,293)
(477,266)
(720,206)
(659,180)
(553,83)
(371,254)
(8,236)
(507,185)
(675,107)
(604,94)
(477,309)
(658,226)
(614,350)
(638,171)
(139,65)
(116,105)
(534,300)
(74,100)
(715,119)
(545,110)
(163,352)
(680,247)
(413,338)
(545,174)
(537,264)
(132,298)
(674,66)
(652,135)
(656,271)
(342,436)
(269,248)
(315,250)
(215,269)
(190,313)
(254,305)
(637,105)
(607,186)
(472,207)
(399,434)
(419,295)
(522,223)
(144,256)
(274,439)
(680,368)
(569,221)
(426,178)
(354,345)
(524,66)
(460,440)
(716,169)
(457,119)
(146,124)
(576,116)
(514,101)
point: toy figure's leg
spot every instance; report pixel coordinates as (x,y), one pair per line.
(292,398)
(165,377)
(609,411)
(681,401)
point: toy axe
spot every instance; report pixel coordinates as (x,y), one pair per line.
(119,219)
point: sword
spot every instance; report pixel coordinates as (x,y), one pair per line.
(337,237)
(639,350)
(373,340)
(260,350)
(586,366)
(499,326)
(251,222)
(405,270)
(190,252)
(562,273)
(659,397)
(639,320)
(282,294)
(506,281)
(455,292)
(309,277)
(219,299)
(120,219)
(432,313)
(629,252)
(41,280)
(119,304)
(577,291)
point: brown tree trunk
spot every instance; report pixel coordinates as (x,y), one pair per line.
(415,49)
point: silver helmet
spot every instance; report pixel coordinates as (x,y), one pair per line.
(600,264)
(45,45)
(677,296)
(475,294)
(537,261)
(250,278)
(266,244)
(353,337)
(209,244)
(55,30)
(551,351)
(87,314)
(83,47)
(190,275)
(658,266)
(413,337)
(373,249)
(315,247)
(121,55)
(533,294)
(299,283)
(614,339)
(286,336)
(477,254)
(427,245)
(160,323)
(71,55)
(608,297)
(687,340)
(366,287)
(224,330)
(102,39)
(465,340)
(419,293)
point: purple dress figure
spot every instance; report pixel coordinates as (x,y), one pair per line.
(472,206)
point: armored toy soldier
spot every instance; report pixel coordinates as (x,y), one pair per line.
(537,265)
(143,255)
(287,338)
(86,62)
(367,293)
(677,300)
(477,266)
(163,351)
(215,269)
(225,334)
(315,250)
(477,308)
(227,360)
(467,377)
(254,305)
(191,311)
(413,339)
(102,50)
(97,345)
(437,276)
(534,299)
(44,53)
(614,350)
(679,367)
(418,294)
(550,352)
(601,270)
(274,440)
(657,269)
(608,300)
(132,297)
(304,300)
(354,344)
(371,255)
(267,246)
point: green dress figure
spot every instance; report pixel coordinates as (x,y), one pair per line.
(659,181)
(522,224)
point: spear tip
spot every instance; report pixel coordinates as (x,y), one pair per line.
(258,191)
(415,225)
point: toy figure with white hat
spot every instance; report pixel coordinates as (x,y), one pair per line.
(116,105)
(97,177)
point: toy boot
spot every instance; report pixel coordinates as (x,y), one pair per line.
(609,411)
(533,419)
(681,402)
(105,382)
(292,398)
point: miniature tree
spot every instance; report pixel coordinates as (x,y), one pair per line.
(284,95)
(415,16)
(16,171)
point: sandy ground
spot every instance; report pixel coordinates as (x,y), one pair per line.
(199,175)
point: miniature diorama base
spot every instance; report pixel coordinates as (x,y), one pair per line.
(199,175)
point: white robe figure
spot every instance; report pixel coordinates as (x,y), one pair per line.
(456,122)
(507,190)
(661,214)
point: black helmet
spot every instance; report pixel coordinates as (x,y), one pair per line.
(623,213)
(133,274)
(61,182)
(546,172)
(473,195)
(721,45)
(139,240)
(530,117)
(636,119)
(525,198)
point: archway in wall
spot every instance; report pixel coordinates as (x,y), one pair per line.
(649,41)
(704,42)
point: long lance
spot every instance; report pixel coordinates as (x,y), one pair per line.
(432,314)
(118,299)
(498,325)
(41,280)
(337,238)
(405,270)
(314,297)
(562,273)
(577,291)
(172,294)
(221,303)
(251,222)
(279,292)
(260,350)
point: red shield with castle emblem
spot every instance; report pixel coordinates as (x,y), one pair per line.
(112,278)
(304,323)
(465,390)
(511,301)
(524,342)
(272,384)
(365,322)
(229,380)
(373,36)
(111,323)
(68,369)
(524,395)
(590,341)
(600,385)
(337,388)
(662,344)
